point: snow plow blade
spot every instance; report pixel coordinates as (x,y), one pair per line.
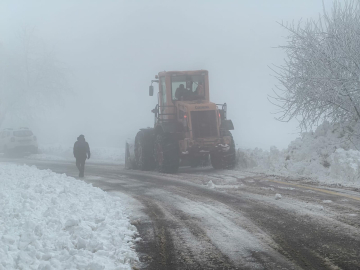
(130,162)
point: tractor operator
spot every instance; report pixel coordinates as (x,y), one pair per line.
(199,92)
(182,93)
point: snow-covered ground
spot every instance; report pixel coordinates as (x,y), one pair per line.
(52,221)
(63,153)
(327,155)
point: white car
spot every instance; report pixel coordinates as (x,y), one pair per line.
(20,140)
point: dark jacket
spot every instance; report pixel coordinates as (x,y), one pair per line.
(81,148)
(182,92)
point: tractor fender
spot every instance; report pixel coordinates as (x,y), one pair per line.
(148,131)
(227,125)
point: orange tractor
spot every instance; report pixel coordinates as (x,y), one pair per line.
(188,128)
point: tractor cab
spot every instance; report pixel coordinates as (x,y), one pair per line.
(184,99)
(181,86)
(188,87)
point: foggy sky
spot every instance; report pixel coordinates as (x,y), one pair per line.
(114,49)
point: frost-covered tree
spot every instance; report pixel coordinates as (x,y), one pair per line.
(32,80)
(320,79)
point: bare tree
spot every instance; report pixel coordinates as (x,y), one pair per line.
(32,79)
(320,79)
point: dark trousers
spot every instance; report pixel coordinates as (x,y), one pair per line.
(80,164)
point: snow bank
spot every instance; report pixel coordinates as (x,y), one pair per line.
(346,165)
(62,152)
(51,221)
(329,154)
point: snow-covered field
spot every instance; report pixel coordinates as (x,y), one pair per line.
(62,152)
(52,221)
(328,155)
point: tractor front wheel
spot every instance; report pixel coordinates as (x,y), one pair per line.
(224,159)
(166,153)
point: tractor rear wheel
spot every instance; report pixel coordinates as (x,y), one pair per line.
(166,153)
(144,155)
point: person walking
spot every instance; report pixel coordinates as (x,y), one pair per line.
(81,152)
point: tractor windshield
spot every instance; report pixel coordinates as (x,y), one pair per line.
(186,87)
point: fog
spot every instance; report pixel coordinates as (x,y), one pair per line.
(113,49)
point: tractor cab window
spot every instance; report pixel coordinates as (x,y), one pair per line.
(186,87)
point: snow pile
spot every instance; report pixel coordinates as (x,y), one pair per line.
(328,154)
(345,164)
(98,154)
(51,221)
(210,184)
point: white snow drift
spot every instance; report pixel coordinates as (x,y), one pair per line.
(329,155)
(51,221)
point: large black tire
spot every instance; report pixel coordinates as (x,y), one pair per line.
(195,162)
(216,160)
(144,155)
(224,160)
(166,153)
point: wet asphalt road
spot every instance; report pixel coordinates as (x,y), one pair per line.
(238,224)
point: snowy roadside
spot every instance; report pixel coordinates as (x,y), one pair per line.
(52,221)
(345,176)
(328,155)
